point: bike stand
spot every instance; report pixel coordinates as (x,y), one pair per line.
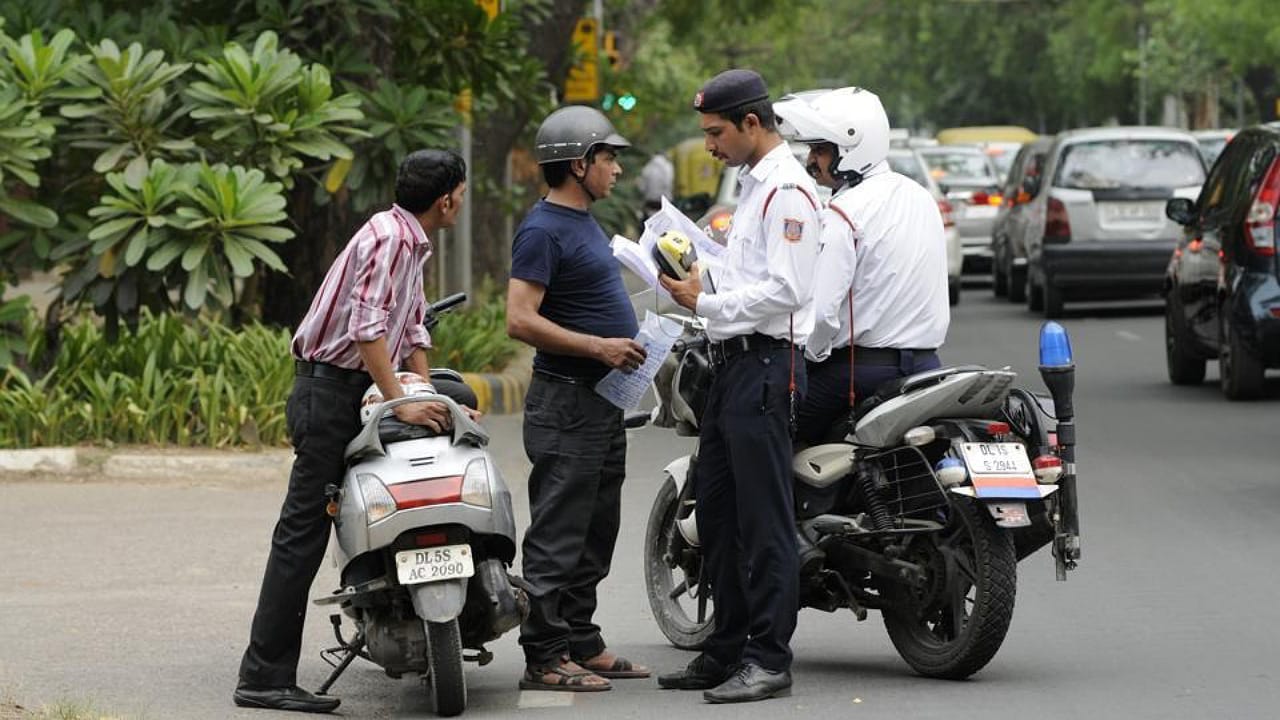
(349,652)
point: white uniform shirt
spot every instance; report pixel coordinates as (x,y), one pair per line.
(897,269)
(765,284)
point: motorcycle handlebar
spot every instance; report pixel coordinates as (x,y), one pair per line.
(448,303)
(696,343)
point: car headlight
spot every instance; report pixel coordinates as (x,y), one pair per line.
(475,484)
(378,502)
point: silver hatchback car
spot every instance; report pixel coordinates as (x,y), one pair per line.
(1099,231)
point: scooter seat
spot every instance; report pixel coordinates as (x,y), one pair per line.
(392,430)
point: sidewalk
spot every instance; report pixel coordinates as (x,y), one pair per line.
(229,468)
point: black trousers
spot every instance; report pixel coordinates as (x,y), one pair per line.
(578,447)
(827,401)
(746,511)
(323,416)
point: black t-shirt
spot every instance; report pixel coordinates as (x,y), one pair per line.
(566,251)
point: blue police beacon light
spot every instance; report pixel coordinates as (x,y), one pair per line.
(1058,370)
(1055,346)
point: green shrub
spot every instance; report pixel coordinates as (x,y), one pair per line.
(170,381)
(176,381)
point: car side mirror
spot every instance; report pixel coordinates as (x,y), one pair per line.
(1181,210)
(1030,186)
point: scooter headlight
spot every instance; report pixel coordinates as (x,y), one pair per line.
(475,484)
(378,502)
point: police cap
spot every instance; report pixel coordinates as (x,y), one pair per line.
(730,89)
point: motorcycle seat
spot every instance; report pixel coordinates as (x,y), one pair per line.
(892,389)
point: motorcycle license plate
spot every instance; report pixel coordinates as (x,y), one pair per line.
(1004,459)
(424,565)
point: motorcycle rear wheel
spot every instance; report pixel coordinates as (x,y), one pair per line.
(954,626)
(686,619)
(448,683)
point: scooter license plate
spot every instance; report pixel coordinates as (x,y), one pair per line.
(1005,459)
(424,565)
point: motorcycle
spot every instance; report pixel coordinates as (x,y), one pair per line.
(425,535)
(920,506)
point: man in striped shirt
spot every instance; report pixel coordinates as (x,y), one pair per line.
(365,321)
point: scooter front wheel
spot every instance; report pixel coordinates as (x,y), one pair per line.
(448,683)
(681,604)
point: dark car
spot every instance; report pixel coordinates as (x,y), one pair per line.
(1097,228)
(1222,286)
(1008,251)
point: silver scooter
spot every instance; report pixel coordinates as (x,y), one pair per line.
(425,535)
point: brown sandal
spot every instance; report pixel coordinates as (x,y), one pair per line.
(566,676)
(620,669)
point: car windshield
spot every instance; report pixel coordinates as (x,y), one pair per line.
(1002,158)
(907,164)
(1113,164)
(959,167)
(1212,148)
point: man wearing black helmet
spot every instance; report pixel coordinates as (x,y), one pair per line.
(566,298)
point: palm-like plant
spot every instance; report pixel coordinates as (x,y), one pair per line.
(25,137)
(266,110)
(229,215)
(400,119)
(131,120)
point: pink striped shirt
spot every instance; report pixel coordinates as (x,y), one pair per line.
(372,290)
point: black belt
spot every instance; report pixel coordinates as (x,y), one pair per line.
(891,357)
(325,371)
(722,351)
(566,379)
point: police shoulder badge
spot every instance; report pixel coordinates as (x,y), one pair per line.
(792,229)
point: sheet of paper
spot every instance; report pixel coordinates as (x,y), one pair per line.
(626,390)
(639,261)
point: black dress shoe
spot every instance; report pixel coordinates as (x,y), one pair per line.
(750,683)
(702,672)
(284,698)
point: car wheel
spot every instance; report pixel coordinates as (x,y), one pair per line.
(999,280)
(1242,373)
(1017,283)
(1052,299)
(953,291)
(1185,367)
(1032,291)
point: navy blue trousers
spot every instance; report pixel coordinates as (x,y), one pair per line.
(746,510)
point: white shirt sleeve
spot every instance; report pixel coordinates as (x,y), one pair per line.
(832,281)
(790,233)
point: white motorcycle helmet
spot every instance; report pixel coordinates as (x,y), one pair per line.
(851,118)
(411,382)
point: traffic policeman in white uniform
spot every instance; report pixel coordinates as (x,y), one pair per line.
(882,272)
(758,317)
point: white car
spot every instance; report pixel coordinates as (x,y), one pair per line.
(908,162)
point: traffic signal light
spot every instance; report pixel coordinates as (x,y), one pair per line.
(611,53)
(627,102)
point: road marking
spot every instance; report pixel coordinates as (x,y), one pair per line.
(1126,335)
(544,699)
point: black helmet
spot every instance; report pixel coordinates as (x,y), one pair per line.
(570,132)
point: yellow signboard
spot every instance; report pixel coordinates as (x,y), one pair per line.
(490,7)
(583,82)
